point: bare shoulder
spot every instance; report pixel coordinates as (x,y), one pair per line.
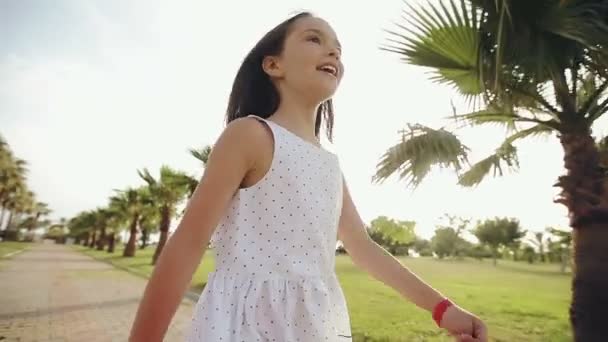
(249,131)
(256,142)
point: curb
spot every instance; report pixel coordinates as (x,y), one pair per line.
(6,256)
(191,295)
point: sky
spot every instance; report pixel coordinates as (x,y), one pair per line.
(91,91)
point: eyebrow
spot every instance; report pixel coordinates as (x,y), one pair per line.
(323,34)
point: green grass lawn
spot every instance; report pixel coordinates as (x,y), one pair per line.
(519,302)
(8,247)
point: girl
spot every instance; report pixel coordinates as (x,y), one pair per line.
(275,202)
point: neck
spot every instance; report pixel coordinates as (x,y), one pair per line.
(298,116)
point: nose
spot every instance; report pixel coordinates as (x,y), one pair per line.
(335,52)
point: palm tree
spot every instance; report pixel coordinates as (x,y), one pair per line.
(38,210)
(149,223)
(538,68)
(167,192)
(116,220)
(564,240)
(19,203)
(82,226)
(539,242)
(202,154)
(131,202)
(14,195)
(102,216)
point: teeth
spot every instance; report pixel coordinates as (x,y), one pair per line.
(330,69)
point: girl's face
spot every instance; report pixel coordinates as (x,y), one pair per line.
(310,62)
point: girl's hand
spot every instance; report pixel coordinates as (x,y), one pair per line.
(463,325)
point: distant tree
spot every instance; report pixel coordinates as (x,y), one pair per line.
(131,203)
(498,232)
(539,242)
(201,154)
(445,242)
(167,192)
(448,240)
(513,236)
(423,247)
(396,236)
(529,254)
(480,251)
(562,246)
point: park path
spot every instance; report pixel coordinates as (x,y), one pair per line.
(53,293)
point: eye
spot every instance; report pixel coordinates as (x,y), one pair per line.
(314,39)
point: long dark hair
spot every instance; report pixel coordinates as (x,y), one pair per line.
(254,93)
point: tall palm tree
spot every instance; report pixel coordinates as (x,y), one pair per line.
(538,68)
(38,210)
(102,216)
(202,154)
(149,223)
(131,202)
(117,219)
(19,203)
(539,242)
(82,226)
(167,192)
(13,187)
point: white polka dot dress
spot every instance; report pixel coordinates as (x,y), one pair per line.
(275,254)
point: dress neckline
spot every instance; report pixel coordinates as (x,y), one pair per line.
(304,141)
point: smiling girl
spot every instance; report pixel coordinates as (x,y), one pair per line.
(274,201)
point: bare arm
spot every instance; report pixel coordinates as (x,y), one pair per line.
(374,259)
(228,164)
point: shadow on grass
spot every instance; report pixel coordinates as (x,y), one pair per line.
(70,308)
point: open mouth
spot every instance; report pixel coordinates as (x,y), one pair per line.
(330,69)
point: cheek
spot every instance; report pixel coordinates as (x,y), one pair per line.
(303,59)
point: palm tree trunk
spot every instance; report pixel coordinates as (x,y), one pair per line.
(2,213)
(93,239)
(541,251)
(130,247)
(589,296)
(111,242)
(165,221)
(33,222)
(144,238)
(102,239)
(10,220)
(584,193)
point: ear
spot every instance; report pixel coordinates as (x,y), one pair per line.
(272,66)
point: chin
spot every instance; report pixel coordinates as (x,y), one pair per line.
(325,91)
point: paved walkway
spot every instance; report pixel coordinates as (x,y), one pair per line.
(51,293)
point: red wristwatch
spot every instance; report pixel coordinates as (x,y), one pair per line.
(440,309)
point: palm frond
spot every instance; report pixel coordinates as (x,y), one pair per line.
(581,21)
(504,157)
(420,149)
(146,176)
(591,94)
(536,130)
(444,38)
(496,116)
(201,154)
